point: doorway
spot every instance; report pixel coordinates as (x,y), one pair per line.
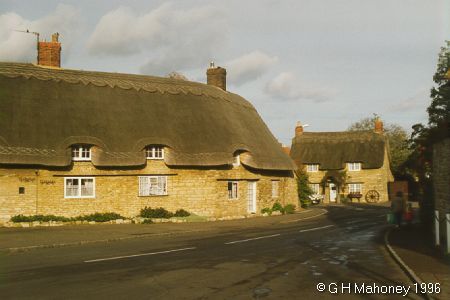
(333,192)
(251,197)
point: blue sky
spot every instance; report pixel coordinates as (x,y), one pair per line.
(327,63)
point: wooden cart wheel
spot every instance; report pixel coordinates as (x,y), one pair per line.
(372,196)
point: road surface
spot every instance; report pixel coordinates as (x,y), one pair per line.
(283,257)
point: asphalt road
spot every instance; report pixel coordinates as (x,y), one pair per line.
(283,257)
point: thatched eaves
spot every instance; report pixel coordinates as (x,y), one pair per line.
(332,150)
(44,111)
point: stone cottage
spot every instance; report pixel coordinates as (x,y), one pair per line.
(353,164)
(77,142)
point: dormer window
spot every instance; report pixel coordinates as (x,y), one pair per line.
(81,153)
(354,166)
(154,152)
(312,167)
(237,160)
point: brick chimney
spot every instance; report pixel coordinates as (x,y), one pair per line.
(378,128)
(216,76)
(49,53)
(298,129)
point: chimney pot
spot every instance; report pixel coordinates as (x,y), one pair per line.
(55,37)
(216,76)
(378,126)
(298,129)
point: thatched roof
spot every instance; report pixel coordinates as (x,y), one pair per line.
(331,150)
(44,111)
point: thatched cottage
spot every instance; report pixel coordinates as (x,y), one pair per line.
(77,142)
(352,164)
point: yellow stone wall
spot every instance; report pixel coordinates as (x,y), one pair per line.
(371,179)
(202,191)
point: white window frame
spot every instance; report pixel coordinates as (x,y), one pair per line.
(152,186)
(154,152)
(354,166)
(237,161)
(355,188)
(79,190)
(275,188)
(312,168)
(79,150)
(233,193)
(315,187)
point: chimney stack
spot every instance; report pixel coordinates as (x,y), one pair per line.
(49,53)
(298,129)
(216,76)
(378,126)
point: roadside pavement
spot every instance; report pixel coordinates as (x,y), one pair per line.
(29,238)
(414,245)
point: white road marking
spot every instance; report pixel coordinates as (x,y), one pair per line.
(297,220)
(252,239)
(137,255)
(356,221)
(316,228)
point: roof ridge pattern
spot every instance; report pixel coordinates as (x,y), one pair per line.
(151,84)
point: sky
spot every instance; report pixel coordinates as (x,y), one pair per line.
(326,63)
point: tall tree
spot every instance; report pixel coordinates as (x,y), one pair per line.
(398,143)
(424,137)
(439,109)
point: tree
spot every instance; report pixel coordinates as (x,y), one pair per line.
(398,143)
(439,109)
(424,137)
(303,188)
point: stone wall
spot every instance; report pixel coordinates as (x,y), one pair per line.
(202,191)
(371,179)
(441,180)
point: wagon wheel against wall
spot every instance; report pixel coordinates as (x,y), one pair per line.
(372,196)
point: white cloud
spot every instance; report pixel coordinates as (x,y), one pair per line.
(249,67)
(173,39)
(418,101)
(17,46)
(288,86)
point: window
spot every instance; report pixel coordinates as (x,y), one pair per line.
(79,187)
(315,188)
(354,166)
(237,160)
(152,185)
(275,188)
(312,167)
(355,188)
(81,153)
(21,190)
(232,189)
(156,152)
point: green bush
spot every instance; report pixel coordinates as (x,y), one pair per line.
(147,221)
(182,213)
(306,203)
(278,207)
(148,212)
(289,209)
(345,199)
(266,210)
(97,217)
(303,188)
(41,218)
(100,217)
